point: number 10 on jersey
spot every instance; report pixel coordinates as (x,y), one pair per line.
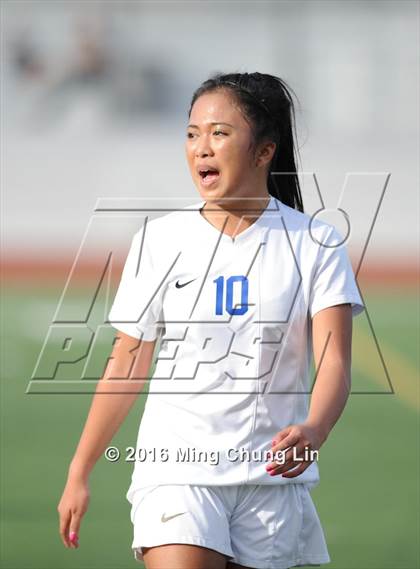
(224,300)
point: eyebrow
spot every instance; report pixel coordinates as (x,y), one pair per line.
(226,123)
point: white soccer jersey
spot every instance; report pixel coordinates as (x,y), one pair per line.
(234,320)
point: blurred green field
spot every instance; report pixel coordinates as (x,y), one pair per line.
(367,500)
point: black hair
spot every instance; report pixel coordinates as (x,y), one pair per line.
(267,103)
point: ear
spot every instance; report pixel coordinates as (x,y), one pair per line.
(265,153)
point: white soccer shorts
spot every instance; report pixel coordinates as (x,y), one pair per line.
(261,526)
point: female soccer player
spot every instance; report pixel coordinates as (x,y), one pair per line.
(241,290)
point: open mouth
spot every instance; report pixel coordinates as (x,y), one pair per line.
(209,176)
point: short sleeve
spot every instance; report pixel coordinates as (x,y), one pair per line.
(137,306)
(333,279)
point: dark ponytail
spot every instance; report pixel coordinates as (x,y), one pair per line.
(267,103)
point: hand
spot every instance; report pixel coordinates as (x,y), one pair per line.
(73,504)
(299,439)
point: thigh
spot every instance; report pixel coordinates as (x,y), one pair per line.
(176,556)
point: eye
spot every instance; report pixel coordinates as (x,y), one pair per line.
(190,134)
(219,132)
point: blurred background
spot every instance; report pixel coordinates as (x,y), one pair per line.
(94,101)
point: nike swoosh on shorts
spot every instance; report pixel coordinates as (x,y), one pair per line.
(167,518)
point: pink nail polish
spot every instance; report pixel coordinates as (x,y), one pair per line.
(73,536)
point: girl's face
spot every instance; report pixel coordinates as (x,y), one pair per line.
(219,138)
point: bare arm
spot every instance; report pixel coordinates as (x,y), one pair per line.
(116,392)
(331,337)
(332,333)
(113,400)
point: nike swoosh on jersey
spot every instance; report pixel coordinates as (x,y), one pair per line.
(178,285)
(167,518)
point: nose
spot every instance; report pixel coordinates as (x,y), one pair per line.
(203,147)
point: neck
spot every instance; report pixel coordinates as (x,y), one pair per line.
(241,213)
(238,205)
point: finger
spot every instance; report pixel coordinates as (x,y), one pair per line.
(279,458)
(64,524)
(295,472)
(290,459)
(74,540)
(279,469)
(74,530)
(280,436)
(286,457)
(291,439)
(295,452)
(287,468)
